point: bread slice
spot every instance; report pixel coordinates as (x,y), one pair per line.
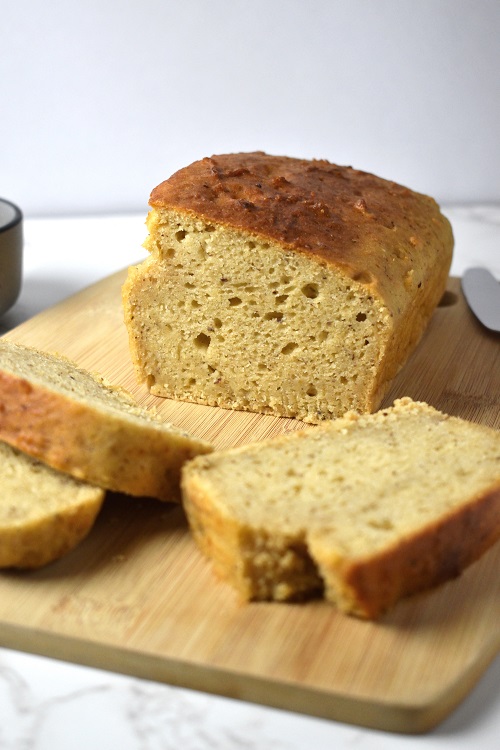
(73,421)
(43,514)
(284,286)
(364,509)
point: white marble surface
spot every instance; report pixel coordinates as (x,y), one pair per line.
(46,704)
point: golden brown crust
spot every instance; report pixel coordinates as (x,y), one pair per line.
(430,557)
(337,214)
(410,318)
(215,535)
(100,448)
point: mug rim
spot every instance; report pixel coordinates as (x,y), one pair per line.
(18,216)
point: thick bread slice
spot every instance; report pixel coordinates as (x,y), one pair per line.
(284,286)
(366,509)
(43,514)
(73,421)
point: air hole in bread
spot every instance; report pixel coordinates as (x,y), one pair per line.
(202,341)
(360,317)
(235,301)
(180,235)
(289,348)
(312,390)
(310,290)
(274,316)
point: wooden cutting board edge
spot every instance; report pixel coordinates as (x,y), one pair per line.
(415,718)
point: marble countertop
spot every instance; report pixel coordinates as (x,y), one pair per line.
(46,703)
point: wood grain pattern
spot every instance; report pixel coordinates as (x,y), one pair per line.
(137,597)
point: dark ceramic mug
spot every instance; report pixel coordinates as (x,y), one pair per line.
(11,253)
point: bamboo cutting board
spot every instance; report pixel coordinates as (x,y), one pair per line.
(136,596)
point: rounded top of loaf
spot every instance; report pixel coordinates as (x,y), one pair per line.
(336,213)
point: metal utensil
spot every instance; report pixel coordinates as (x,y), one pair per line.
(11,253)
(482,292)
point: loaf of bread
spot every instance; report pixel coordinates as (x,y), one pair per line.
(73,421)
(43,514)
(283,286)
(363,510)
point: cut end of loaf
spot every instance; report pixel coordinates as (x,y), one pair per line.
(364,510)
(221,318)
(283,286)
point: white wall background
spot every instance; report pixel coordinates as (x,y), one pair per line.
(102,99)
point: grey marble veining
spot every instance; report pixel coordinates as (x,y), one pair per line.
(42,702)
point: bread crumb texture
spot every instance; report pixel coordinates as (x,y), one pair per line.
(43,514)
(283,286)
(76,422)
(363,509)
